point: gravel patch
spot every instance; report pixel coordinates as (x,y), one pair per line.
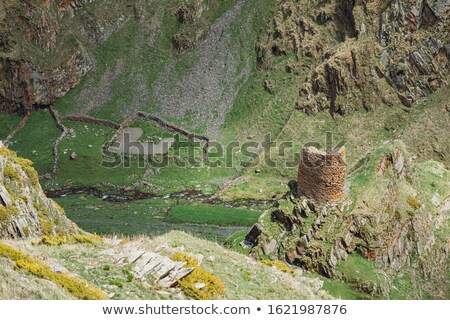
(207,91)
(92,97)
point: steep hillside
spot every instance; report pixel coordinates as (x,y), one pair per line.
(25,211)
(43,255)
(243,277)
(392,224)
(264,78)
(361,53)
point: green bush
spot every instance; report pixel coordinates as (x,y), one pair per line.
(27,166)
(413,202)
(79,288)
(213,288)
(70,239)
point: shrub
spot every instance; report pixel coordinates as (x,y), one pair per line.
(117,283)
(5,152)
(46,227)
(6,213)
(213,288)
(413,202)
(26,231)
(27,166)
(79,288)
(11,173)
(4,216)
(279,265)
(130,276)
(191,262)
(70,239)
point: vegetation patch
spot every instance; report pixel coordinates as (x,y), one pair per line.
(27,166)
(233,242)
(79,288)
(279,265)
(361,274)
(199,284)
(221,216)
(70,239)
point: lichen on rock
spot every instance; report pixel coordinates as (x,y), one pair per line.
(25,211)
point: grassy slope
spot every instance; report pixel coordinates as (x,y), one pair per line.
(153,217)
(8,123)
(20,285)
(217,215)
(243,277)
(35,141)
(144,46)
(422,128)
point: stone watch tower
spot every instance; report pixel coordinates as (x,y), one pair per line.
(322,175)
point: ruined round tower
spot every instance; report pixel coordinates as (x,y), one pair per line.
(322,175)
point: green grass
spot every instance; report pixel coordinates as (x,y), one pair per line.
(8,123)
(149,217)
(233,242)
(87,169)
(35,141)
(122,218)
(339,289)
(216,215)
(358,271)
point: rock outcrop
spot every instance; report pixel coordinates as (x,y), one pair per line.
(321,175)
(25,211)
(165,271)
(34,69)
(361,53)
(395,220)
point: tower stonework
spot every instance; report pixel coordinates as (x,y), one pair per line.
(322,175)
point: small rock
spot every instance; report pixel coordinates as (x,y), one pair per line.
(258,171)
(435,201)
(57,268)
(211,259)
(200,285)
(270,247)
(89,145)
(73,156)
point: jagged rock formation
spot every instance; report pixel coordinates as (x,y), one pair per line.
(361,53)
(321,175)
(31,72)
(146,263)
(395,219)
(25,211)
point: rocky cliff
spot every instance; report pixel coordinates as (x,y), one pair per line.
(37,63)
(361,53)
(25,211)
(394,221)
(358,53)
